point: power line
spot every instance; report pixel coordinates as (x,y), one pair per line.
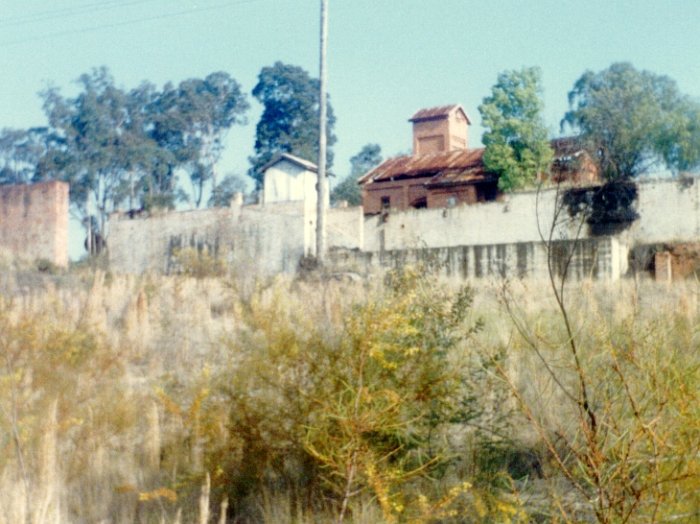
(46,16)
(58,34)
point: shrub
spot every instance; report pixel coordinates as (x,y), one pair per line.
(366,408)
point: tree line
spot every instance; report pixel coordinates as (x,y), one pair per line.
(155,147)
(632,122)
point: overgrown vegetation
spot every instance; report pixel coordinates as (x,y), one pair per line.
(607,209)
(401,399)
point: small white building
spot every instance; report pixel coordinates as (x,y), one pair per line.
(288,178)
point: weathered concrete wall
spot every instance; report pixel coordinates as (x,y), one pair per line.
(599,258)
(669,211)
(34,221)
(345,227)
(477,240)
(252,239)
(266,239)
(518,218)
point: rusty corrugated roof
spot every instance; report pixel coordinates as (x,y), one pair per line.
(470,175)
(453,167)
(409,166)
(438,112)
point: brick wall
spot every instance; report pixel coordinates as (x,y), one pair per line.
(34,221)
(452,196)
(402,194)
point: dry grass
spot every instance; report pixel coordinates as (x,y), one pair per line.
(121,423)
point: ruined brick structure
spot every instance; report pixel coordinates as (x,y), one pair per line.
(34,221)
(443,172)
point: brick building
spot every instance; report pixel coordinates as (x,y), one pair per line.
(34,221)
(443,172)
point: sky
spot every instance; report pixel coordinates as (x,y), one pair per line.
(386,58)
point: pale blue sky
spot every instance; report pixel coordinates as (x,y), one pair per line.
(387,59)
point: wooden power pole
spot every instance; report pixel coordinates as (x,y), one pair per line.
(322,184)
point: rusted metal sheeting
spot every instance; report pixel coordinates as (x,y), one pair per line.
(434,112)
(462,177)
(410,166)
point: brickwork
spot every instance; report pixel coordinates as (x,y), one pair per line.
(677,262)
(34,221)
(446,131)
(402,194)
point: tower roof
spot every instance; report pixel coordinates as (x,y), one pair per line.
(431,113)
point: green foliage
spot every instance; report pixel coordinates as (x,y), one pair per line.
(365,405)
(223,193)
(120,148)
(369,157)
(24,153)
(517,148)
(190,121)
(92,152)
(379,402)
(633,120)
(608,209)
(289,122)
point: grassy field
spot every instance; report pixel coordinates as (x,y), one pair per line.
(398,398)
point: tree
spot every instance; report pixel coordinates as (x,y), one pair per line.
(224,192)
(517,148)
(634,120)
(289,122)
(682,147)
(369,157)
(21,152)
(150,165)
(115,146)
(192,119)
(366,404)
(93,155)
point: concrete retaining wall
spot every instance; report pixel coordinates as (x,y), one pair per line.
(503,237)
(669,212)
(259,240)
(249,239)
(599,258)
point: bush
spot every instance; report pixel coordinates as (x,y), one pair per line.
(363,409)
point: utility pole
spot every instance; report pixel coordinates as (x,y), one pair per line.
(322,180)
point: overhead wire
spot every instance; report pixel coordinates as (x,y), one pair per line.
(81,30)
(54,14)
